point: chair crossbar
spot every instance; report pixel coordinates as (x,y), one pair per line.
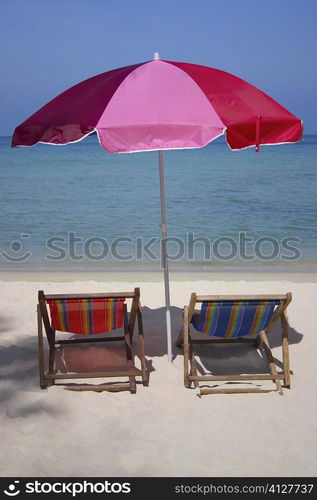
(234,391)
(115,373)
(210,378)
(221,298)
(118,295)
(89,340)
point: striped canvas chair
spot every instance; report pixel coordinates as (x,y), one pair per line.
(87,316)
(226,319)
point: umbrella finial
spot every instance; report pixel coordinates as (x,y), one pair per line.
(156,56)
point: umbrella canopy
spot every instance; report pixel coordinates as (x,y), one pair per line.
(160,105)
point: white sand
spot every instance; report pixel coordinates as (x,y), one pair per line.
(164,429)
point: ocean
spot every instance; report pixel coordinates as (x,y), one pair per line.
(77,207)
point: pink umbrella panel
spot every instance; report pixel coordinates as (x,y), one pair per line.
(161,105)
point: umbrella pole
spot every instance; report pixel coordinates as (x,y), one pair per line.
(165,261)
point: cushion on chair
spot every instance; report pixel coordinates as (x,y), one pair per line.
(234,319)
(87,316)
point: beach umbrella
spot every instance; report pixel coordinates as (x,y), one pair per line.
(159,105)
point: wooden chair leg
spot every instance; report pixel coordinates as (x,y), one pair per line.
(145,377)
(133,313)
(186,347)
(127,342)
(193,364)
(52,352)
(132,385)
(130,361)
(190,311)
(41,349)
(270,360)
(285,351)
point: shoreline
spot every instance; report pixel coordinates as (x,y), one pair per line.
(157,277)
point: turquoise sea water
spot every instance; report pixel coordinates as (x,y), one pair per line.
(78,207)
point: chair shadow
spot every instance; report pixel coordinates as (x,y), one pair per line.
(19,361)
(154,324)
(235,359)
(93,358)
(216,359)
(19,371)
(238,359)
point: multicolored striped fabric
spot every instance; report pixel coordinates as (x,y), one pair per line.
(87,316)
(234,319)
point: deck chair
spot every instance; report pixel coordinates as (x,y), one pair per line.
(86,316)
(236,318)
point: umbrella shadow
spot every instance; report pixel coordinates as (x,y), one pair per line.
(154,321)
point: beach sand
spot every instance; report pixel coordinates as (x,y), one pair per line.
(164,429)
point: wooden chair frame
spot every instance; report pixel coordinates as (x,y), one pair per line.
(261,341)
(49,377)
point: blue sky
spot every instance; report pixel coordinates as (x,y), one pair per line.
(47,46)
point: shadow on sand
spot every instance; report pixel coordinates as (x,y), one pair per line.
(216,359)
(19,361)
(19,375)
